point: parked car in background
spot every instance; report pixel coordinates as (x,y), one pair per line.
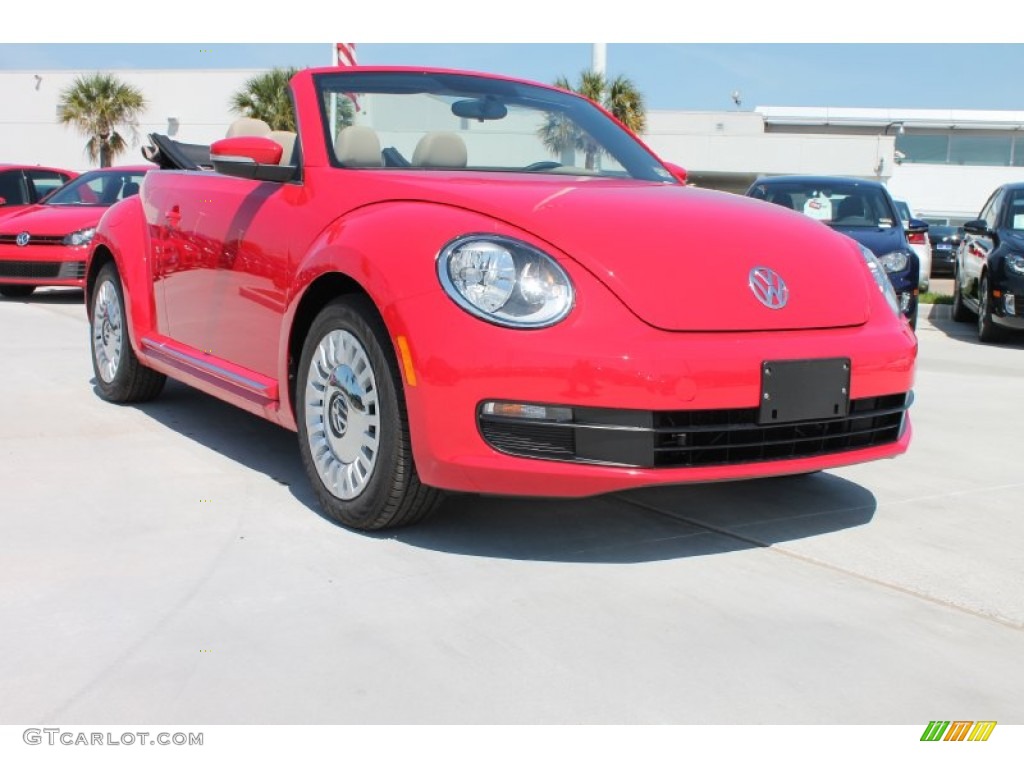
(945,240)
(989,273)
(46,243)
(862,210)
(489,285)
(919,241)
(24,185)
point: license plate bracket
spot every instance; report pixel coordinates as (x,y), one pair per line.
(804,390)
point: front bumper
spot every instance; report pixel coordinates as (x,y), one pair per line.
(602,357)
(42,265)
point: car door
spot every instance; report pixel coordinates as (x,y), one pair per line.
(977,247)
(227,296)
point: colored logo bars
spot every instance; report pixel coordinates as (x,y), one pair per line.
(959,730)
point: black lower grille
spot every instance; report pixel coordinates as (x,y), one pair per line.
(29,268)
(696,438)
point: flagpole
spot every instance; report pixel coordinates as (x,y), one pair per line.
(334,97)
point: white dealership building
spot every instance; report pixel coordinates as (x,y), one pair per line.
(945,162)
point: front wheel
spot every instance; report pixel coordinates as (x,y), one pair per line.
(353,427)
(120,376)
(988,331)
(16,291)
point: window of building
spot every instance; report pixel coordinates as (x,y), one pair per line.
(922,148)
(1018,151)
(979,150)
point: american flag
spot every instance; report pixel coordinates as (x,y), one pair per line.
(345,54)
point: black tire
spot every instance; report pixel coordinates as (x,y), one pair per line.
(960,313)
(390,493)
(988,331)
(124,379)
(16,291)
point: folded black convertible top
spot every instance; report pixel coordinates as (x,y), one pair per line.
(169,154)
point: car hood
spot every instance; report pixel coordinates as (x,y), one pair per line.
(680,258)
(51,219)
(879,241)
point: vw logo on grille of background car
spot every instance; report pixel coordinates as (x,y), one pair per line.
(768,287)
(23,238)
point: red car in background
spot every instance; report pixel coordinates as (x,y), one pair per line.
(46,243)
(450,280)
(22,185)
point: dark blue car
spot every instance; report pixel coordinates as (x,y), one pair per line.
(861,209)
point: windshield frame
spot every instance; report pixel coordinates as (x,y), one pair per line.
(638,162)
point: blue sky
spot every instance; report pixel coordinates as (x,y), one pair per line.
(671,75)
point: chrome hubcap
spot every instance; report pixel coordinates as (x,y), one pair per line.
(107,332)
(342,417)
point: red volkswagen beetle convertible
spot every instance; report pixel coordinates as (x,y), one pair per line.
(456,281)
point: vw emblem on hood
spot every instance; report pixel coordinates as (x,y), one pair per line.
(23,238)
(768,287)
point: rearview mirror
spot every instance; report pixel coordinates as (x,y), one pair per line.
(677,171)
(976,227)
(250,157)
(480,109)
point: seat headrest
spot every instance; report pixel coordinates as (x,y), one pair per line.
(129,189)
(287,141)
(441,149)
(358,146)
(248,126)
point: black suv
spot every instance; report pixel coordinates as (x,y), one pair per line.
(988,278)
(861,209)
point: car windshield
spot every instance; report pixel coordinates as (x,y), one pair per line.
(1015,211)
(938,231)
(840,204)
(434,121)
(101,188)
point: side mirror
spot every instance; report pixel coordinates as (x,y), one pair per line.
(677,171)
(917,227)
(250,157)
(976,227)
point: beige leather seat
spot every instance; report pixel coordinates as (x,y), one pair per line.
(358,146)
(287,141)
(248,126)
(440,149)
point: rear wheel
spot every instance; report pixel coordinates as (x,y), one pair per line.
(988,331)
(120,377)
(960,312)
(353,428)
(16,291)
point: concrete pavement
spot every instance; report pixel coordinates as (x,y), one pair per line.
(166,563)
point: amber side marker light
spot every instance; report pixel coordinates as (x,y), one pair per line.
(406,355)
(527,411)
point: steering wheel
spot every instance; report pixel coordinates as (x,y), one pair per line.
(543,165)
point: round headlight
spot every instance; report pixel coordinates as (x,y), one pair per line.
(1015,263)
(881,280)
(505,281)
(894,262)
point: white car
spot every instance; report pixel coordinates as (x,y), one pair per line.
(919,242)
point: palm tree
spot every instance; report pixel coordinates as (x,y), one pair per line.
(619,96)
(266,97)
(96,105)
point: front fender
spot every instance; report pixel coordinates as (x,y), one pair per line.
(390,250)
(122,232)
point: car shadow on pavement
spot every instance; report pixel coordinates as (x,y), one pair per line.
(51,296)
(646,525)
(939,317)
